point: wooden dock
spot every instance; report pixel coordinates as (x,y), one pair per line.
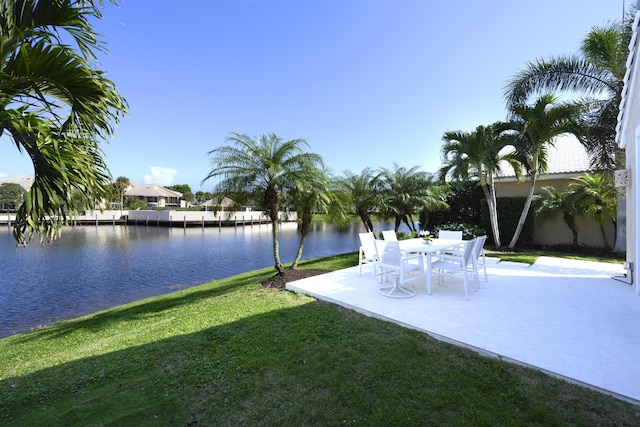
(183,219)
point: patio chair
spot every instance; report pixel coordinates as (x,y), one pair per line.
(391,261)
(457,262)
(450,234)
(390,235)
(367,254)
(479,255)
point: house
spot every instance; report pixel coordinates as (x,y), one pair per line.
(224,204)
(628,137)
(567,159)
(24,181)
(155,196)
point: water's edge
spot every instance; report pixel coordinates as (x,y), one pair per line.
(91,268)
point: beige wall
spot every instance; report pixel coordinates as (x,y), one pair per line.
(555,231)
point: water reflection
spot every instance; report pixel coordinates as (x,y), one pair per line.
(93,268)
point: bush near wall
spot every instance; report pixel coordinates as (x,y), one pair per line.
(509,211)
(464,203)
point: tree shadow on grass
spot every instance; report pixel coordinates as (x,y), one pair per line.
(137,309)
(309,364)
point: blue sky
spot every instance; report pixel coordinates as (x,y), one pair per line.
(365,82)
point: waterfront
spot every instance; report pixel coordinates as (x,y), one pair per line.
(96,267)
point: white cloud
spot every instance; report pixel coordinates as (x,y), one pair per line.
(160,176)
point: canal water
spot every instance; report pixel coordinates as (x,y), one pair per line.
(91,268)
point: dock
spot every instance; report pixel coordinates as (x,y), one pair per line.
(171,218)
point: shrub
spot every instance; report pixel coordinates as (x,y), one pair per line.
(509,210)
(469,231)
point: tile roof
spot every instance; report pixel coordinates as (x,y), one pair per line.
(566,156)
(25,181)
(150,190)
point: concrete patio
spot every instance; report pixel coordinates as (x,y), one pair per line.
(568,318)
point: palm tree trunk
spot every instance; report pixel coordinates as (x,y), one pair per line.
(307,217)
(490,195)
(276,246)
(525,211)
(604,236)
(364,216)
(571,223)
(272,203)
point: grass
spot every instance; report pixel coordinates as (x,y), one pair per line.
(529,256)
(233,353)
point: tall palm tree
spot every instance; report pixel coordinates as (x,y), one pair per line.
(535,128)
(56,107)
(595,76)
(478,155)
(407,190)
(363,189)
(263,167)
(595,197)
(316,194)
(122,183)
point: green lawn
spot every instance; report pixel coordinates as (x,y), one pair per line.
(232,353)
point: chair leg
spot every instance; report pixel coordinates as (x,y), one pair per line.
(466,285)
(396,290)
(475,274)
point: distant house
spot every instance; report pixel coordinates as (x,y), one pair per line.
(25,181)
(567,159)
(155,196)
(628,137)
(216,204)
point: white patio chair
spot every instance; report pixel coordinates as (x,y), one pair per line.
(367,254)
(391,261)
(450,235)
(479,255)
(457,262)
(390,235)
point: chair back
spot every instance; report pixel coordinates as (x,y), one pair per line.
(468,252)
(367,244)
(388,253)
(390,235)
(450,235)
(477,250)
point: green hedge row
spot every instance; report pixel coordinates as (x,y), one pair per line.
(509,211)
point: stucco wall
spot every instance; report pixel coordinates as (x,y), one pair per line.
(555,231)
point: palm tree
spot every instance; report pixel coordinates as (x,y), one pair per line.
(122,183)
(363,189)
(407,190)
(477,156)
(557,202)
(595,196)
(56,107)
(262,167)
(597,75)
(316,194)
(535,128)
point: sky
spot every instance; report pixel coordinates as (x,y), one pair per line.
(367,83)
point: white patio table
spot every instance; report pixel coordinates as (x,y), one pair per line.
(427,248)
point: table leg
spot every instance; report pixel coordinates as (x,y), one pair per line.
(428,273)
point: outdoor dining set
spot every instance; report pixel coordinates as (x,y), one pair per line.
(413,259)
